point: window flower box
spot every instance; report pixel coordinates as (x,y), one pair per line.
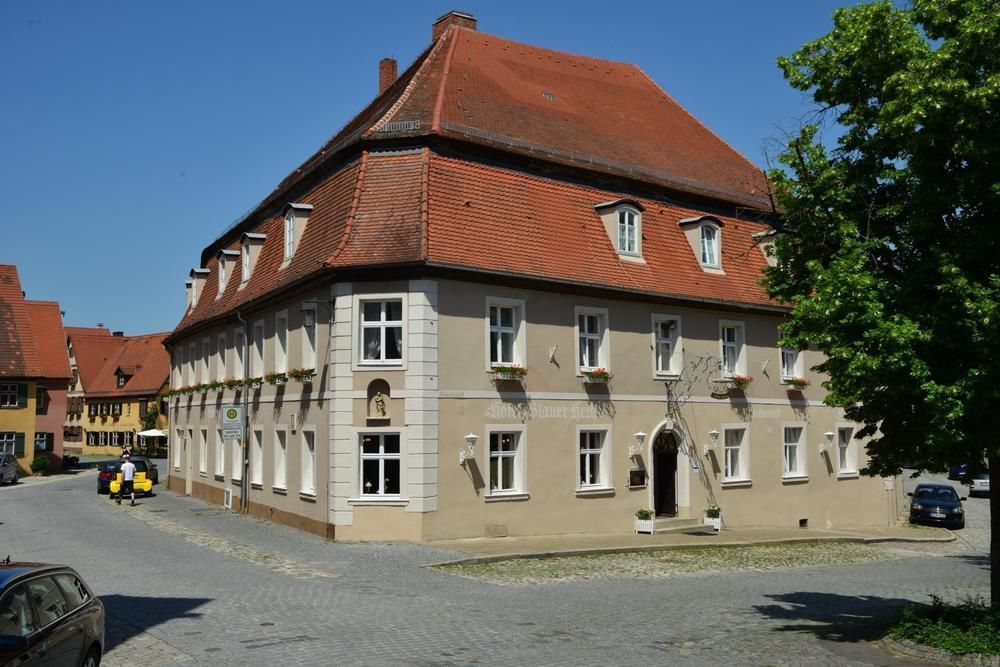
(512,373)
(302,374)
(796,383)
(597,376)
(234,384)
(644,521)
(276,378)
(254,383)
(216,385)
(739,382)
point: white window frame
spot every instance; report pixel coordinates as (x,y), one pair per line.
(220,357)
(204,360)
(8,395)
(289,235)
(604,482)
(800,472)
(381,457)
(359,353)
(192,358)
(520,486)
(221,273)
(711,246)
(239,347)
(203,452)
(791,364)
(308,349)
(257,457)
(279,481)
(244,263)
(220,454)
(280,364)
(676,359)
(236,462)
(851,451)
(623,226)
(603,338)
(519,347)
(175,449)
(307,461)
(40,437)
(739,344)
(742,474)
(258,334)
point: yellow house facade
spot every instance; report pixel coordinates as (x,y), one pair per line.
(17,420)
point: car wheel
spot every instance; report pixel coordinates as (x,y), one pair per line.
(93,658)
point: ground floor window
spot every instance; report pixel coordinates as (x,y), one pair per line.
(506,456)
(793,451)
(380,465)
(220,453)
(176,448)
(280,457)
(735,454)
(7,440)
(237,461)
(40,442)
(846,461)
(308,462)
(203,452)
(257,458)
(591,460)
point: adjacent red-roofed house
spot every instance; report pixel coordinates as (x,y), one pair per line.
(34,372)
(519,293)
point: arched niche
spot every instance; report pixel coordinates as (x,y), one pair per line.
(379,403)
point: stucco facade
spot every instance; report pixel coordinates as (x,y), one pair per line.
(17,420)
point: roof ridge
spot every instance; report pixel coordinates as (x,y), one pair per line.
(439,102)
(405,95)
(571,54)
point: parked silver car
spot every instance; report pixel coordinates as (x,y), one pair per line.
(9,470)
(980,485)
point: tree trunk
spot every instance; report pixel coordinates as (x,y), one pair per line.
(994,465)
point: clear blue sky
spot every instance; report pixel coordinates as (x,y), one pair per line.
(133,133)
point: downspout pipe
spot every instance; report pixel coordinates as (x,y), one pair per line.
(245,477)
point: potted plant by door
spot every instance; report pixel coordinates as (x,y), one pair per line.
(644,521)
(713,517)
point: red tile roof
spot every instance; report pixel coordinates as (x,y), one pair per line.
(99,357)
(18,354)
(50,339)
(86,331)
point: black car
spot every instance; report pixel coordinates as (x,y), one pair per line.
(48,616)
(937,504)
(107,471)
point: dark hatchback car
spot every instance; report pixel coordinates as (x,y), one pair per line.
(937,504)
(107,472)
(48,616)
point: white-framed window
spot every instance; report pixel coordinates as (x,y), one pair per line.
(593,461)
(628,231)
(220,357)
(192,359)
(280,459)
(592,344)
(8,395)
(289,235)
(847,452)
(257,350)
(709,235)
(793,451)
(176,376)
(505,331)
(127,437)
(308,336)
(791,364)
(257,458)
(116,439)
(41,441)
(203,452)
(236,461)
(307,476)
(281,342)
(205,360)
(222,273)
(175,448)
(380,465)
(506,445)
(245,262)
(381,337)
(220,453)
(239,346)
(8,441)
(667,348)
(732,348)
(735,465)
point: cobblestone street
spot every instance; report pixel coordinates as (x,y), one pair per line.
(188,583)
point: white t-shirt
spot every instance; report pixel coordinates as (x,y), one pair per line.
(128,471)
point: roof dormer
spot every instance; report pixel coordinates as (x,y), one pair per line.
(622,219)
(296,218)
(226,260)
(249,252)
(187,292)
(198,277)
(704,234)
(765,241)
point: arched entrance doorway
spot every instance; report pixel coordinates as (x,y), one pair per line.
(665,474)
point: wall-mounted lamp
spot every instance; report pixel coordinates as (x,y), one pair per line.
(714,436)
(470,449)
(309,317)
(823,446)
(636,449)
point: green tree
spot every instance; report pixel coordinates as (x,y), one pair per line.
(889,252)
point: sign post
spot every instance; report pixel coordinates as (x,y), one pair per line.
(232,422)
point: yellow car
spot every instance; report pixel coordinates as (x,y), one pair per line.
(140,483)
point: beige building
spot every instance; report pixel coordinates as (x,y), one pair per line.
(438,333)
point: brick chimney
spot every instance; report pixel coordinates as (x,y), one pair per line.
(461,19)
(386,73)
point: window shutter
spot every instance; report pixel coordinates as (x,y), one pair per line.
(19,444)
(50,442)
(22,395)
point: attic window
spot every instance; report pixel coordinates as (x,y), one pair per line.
(704,234)
(245,261)
(296,219)
(249,252)
(710,245)
(622,220)
(226,258)
(549,96)
(122,379)
(628,224)
(289,234)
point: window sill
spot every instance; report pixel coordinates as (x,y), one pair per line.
(308,496)
(256,485)
(203,474)
(503,497)
(664,375)
(176,468)
(595,491)
(380,364)
(794,479)
(736,483)
(279,490)
(848,474)
(631,257)
(391,501)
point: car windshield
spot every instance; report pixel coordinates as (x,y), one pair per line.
(930,493)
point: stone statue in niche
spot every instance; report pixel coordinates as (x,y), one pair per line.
(379,396)
(379,405)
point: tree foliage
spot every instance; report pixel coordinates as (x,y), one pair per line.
(889,252)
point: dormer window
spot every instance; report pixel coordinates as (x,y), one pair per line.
(622,220)
(249,253)
(245,261)
(122,379)
(709,245)
(704,234)
(225,259)
(296,219)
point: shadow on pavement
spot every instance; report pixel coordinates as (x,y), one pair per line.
(982,562)
(129,615)
(837,618)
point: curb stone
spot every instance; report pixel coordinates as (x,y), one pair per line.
(911,649)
